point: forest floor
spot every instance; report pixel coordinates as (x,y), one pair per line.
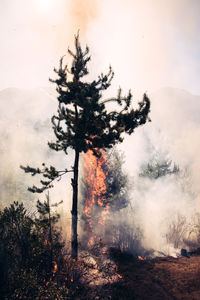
(158,278)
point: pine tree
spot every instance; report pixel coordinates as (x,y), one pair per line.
(157,169)
(117,181)
(47,221)
(83,122)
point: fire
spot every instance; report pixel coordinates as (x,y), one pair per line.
(95,177)
(54,270)
(55,267)
(141,258)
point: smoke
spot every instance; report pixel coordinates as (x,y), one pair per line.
(150,44)
(82,14)
(25,129)
(35,34)
(171,136)
(147,42)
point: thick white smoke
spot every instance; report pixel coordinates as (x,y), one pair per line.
(150,44)
(171,136)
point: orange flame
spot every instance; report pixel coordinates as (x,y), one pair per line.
(141,258)
(95,176)
(55,267)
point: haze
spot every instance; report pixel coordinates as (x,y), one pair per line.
(149,43)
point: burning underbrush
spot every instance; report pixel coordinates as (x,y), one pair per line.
(106,211)
(113,261)
(99,265)
(130,277)
(108,215)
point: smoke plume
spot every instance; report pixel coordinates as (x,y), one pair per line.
(150,44)
(82,14)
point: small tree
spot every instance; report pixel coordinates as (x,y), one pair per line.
(47,221)
(26,267)
(177,230)
(157,169)
(84,123)
(117,181)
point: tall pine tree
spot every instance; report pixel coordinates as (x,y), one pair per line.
(83,121)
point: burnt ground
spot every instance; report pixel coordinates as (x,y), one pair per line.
(159,278)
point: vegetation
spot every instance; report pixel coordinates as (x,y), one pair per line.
(117,186)
(25,272)
(157,169)
(27,267)
(117,181)
(115,211)
(84,122)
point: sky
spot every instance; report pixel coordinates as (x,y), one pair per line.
(149,43)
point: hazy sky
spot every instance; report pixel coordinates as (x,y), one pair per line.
(149,43)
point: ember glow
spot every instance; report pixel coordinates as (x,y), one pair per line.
(119,276)
(95,206)
(55,268)
(141,258)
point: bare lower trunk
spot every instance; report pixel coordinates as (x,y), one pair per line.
(74,241)
(50,231)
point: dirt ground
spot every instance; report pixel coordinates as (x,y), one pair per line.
(159,278)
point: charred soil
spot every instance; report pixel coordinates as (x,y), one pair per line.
(159,278)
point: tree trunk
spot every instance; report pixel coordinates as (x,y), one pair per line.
(74,241)
(50,231)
